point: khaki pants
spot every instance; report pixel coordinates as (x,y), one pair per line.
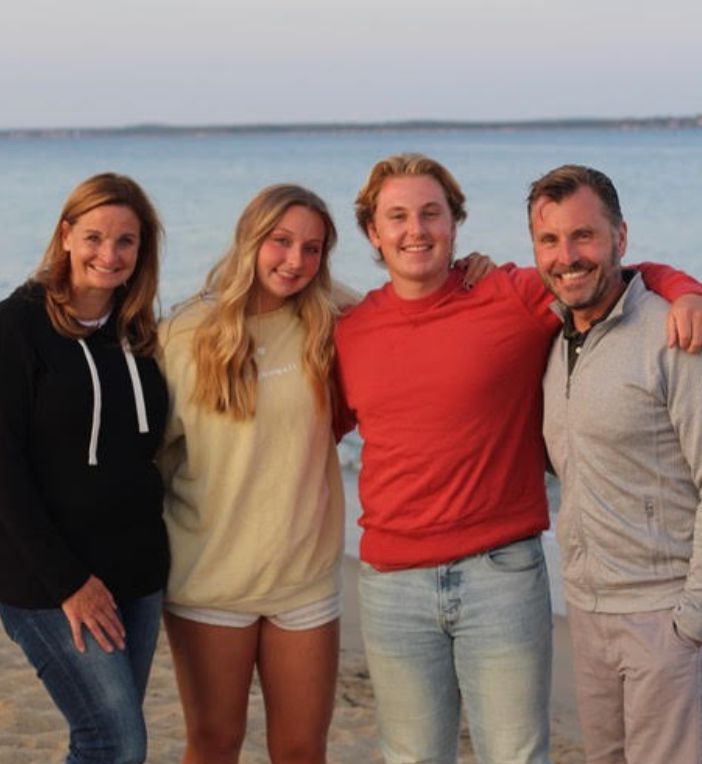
(639,688)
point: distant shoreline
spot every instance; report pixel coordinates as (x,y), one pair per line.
(639,123)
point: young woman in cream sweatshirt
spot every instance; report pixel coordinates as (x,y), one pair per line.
(254,500)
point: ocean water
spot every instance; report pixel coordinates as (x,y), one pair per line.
(200,184)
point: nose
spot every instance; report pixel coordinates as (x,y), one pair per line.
(294,257)
(108,251)
(567,253)
(415,224)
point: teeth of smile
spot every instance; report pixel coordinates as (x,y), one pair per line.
(573,275)
(417,248)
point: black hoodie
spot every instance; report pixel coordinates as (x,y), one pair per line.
(79,491)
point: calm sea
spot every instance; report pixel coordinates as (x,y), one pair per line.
(200,185)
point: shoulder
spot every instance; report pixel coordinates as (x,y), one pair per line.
(179,327)
(25,330)
(22,311)
(639,326)
(26,300)
(365,311)
(519,291)
(343,296)
(645,307)
(510,278)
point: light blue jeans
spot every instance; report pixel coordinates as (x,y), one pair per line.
(477,630)
(100,694)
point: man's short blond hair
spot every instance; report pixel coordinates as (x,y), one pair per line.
(407,165)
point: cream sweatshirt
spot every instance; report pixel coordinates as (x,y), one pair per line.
(254,509)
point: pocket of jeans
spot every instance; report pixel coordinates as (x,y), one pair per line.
(369,576)
(519,556)
(365,568)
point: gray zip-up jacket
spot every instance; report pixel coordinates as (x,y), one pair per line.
(624,435)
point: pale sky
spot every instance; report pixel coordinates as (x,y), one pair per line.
(83,63)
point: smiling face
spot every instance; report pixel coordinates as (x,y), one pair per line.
(288,258)
(103,247)
(414,231)
(578,252)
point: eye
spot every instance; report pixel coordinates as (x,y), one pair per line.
(92,237)
(313,249)
(283,241)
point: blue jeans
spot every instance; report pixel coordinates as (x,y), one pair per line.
(477,630)
(100,694)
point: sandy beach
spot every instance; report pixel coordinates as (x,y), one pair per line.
(32,732)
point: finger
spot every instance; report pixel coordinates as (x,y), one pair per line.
(105,598)
(115,626)
(473,272)
(684,331)
(469,260)
(103,603)
(99,635)
(112,628)
(476,274)
(77,634)
(696,340)
(672,324)
(100,593)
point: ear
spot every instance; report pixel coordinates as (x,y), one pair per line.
(621,239)
(372,234)
(65,235)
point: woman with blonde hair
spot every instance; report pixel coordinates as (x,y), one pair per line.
(83,547)
(254,500)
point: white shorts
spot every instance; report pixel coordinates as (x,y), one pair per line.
(306,617)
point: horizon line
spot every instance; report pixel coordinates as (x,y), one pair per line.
(659,121)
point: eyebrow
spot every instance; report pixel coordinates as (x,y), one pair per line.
(400,207)
(101,232)
(282,229)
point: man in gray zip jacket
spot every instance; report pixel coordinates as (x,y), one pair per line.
(623,426)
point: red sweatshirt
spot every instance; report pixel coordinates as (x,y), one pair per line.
(446,391)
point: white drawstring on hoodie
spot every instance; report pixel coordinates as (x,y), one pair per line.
(139,402)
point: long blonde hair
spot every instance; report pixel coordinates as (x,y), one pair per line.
(223,348)
(135,301)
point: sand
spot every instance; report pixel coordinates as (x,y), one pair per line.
(32,731)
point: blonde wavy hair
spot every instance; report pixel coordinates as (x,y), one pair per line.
(134,302)
(223,348)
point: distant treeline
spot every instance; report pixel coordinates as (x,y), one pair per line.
(638,123)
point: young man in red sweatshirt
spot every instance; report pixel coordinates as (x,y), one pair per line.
(445,386)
